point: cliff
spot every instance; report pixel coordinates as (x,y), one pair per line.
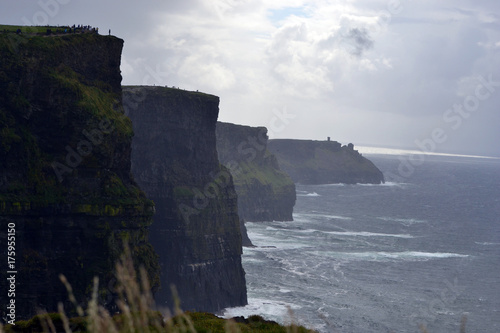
(67,198)
(196,228)
(324,162)
(265,193)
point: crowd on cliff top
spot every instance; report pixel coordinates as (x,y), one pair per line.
(53,30)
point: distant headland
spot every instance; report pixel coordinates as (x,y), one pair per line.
(324,162)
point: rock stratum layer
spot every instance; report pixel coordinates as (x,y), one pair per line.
(67,197)
(196,228)
(324,162)
(265,193)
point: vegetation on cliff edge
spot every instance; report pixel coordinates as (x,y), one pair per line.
(33,81)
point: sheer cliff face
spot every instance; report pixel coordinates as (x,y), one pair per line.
(196,227)
(324,162)
(65,180)
(265,193)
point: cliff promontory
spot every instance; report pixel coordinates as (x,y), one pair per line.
(196,228)
(324,162)
(67,198)
(265,193)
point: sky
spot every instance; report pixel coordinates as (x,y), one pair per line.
(421,75)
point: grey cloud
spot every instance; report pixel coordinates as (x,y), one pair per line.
(354,40)
(339,71)
(357,41)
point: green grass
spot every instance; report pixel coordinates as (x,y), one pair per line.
(195,322)
(207,322)
(32,30)
(26,29)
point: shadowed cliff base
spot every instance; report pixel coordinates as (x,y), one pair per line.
(324,162)
(196,227)
(136,313)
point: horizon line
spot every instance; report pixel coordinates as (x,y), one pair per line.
(401,151)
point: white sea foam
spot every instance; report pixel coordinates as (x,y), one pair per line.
(487,243)
(364,184)
(284,291)
(248,259)
(299,218)
(354,233)
(269,309)
(307,194)
(416,254)
(380,256)
(387,184)
(366,234)
(322,216)
(406,222)
(265,241)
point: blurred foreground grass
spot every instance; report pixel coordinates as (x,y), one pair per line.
(137,314)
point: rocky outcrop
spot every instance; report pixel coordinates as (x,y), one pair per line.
(324,162)
(67,198)
(196,228)
(265,193)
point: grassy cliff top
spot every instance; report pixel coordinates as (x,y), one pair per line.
(5,28)
(35,30)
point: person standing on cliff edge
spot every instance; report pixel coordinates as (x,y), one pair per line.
(109,32)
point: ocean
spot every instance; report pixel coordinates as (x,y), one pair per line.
(421,249)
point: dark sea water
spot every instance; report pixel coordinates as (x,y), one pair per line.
(424,248)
